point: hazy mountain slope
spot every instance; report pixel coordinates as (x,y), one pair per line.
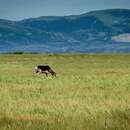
(89,32)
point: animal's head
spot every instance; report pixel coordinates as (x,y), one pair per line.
(36,70)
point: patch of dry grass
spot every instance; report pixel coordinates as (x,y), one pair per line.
(91,92)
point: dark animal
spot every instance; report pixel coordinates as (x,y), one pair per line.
(44,69)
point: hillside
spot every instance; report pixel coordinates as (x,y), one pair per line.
(91,32)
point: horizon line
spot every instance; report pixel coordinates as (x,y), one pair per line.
(31,17)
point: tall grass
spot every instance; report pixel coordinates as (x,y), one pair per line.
(90,92)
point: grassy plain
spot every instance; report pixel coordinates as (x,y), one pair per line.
(90,92)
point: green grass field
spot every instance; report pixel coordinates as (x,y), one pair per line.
(90,92)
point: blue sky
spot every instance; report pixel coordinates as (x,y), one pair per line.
(20,9)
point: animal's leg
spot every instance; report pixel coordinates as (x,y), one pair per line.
(52,72)
(45,73)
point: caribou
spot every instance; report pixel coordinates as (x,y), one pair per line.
(44,69)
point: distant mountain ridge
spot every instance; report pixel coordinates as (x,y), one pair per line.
(92,32)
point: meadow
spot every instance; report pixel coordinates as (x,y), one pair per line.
(90,92)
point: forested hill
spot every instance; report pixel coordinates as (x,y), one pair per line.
(92,32)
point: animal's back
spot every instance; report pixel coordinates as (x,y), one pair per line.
(43,67)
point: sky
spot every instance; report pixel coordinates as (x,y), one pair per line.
(21,9)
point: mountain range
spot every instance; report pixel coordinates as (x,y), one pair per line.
(102,31)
